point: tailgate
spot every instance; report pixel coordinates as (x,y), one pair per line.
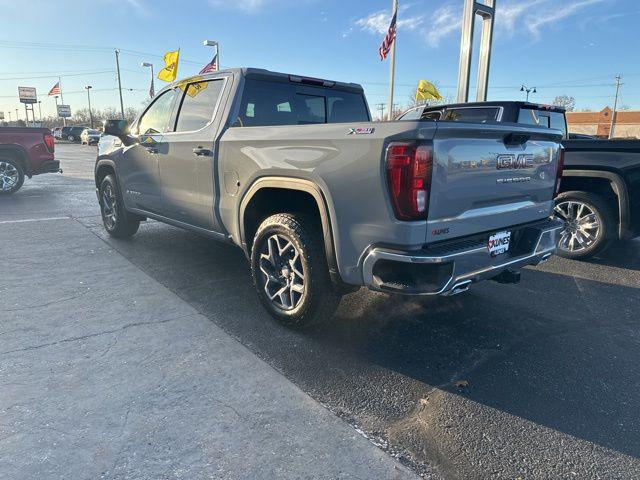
(490,177)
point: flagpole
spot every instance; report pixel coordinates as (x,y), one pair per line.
(392,62)
(64,120)
(119,81)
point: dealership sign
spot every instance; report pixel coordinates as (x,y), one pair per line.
(27,95)
(64,111)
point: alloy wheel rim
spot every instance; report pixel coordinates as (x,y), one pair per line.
(282,272)
(8,176)
(581,225)
(109,207)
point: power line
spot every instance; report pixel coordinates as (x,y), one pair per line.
(94,72)
(81,48)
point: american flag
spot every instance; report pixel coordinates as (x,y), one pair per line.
(55,90)
(212,66)
(390,37)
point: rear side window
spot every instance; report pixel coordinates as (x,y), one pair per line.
(471,115)
(413,114)
(199,102)
(267,103)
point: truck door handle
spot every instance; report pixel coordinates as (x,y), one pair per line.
(152,150)
(202,152)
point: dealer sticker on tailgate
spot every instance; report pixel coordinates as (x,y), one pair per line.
(499,243)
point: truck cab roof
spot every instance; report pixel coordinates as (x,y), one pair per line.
(261,73)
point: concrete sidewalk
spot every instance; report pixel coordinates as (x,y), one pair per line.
(104,373)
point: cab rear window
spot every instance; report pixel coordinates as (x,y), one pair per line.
(543,118)
(267,103)
(471,114)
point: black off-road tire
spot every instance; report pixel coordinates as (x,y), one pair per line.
(319,300)
(605,215)
(123,224)
(18,167)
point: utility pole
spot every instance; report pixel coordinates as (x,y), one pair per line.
(119,82)
(615,106)
(88,88)
(381,107)
(64,120)
(40,110)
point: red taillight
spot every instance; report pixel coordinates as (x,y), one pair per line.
(409,169)
(49,142)
(560,170)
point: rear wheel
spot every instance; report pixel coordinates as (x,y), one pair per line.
(71,138)
(290,271)
(116,220)
(588,224)
(11,176)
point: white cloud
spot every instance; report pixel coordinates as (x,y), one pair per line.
(445,20)
(552,15)
(378,22)
(512,17)
(509,14)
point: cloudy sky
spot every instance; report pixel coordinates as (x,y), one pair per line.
(572,47)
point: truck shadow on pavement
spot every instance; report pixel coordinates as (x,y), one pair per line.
(554,351)
(622,254)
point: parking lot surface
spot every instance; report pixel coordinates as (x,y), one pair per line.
(536,380)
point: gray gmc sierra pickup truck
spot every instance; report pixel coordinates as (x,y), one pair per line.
(321,199)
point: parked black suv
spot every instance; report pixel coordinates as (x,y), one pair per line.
(72,133)
(600,190)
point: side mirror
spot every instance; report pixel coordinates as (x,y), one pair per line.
(117,128)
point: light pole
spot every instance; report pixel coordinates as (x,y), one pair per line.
(56,98)
(152,90)
(524,88)
(40,110)
(213,43)
(87,88)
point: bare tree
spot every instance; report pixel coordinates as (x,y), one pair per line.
(569,103)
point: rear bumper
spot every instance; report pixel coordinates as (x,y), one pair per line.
(453,267)
(49,166)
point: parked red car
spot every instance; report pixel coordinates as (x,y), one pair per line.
(24,152)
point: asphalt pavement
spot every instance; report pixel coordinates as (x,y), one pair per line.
(536,380)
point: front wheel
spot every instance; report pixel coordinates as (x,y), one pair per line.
(290,272)
(11,176)
(71,138)
(116,220)
(588,224)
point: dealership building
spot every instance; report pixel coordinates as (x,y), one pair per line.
(599,123)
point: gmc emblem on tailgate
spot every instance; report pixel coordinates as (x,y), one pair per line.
(510,161)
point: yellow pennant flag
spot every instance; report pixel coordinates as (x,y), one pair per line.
(427,91)
(195,85)
(170,70)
